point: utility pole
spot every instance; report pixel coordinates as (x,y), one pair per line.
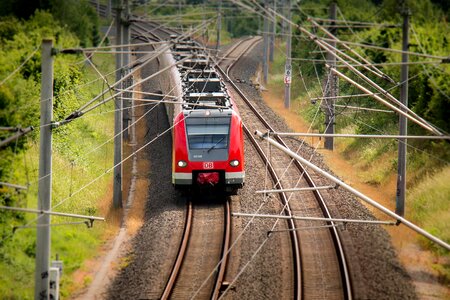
(117,186)
(125,70)
(273,29)
(283,22)
(403,122)
(41,289)
(266,42)
(108,10)
(179,15)
(331,86)
(288,66)
(219,25)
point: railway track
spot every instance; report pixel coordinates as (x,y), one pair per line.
(227,61)
(320,267)
(201,261)
(321,270)
(200,265)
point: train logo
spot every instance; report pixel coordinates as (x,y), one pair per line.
(208,165)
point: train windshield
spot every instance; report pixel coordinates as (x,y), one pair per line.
(208,133)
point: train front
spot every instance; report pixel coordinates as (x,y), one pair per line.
(208,150)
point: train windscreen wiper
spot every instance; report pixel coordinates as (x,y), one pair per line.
(214,146)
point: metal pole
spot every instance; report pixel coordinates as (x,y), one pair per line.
(266,43)
(386,103)
(283,21)
(219,25)
(179,15)
(41,290)
(354,221)
(370,136)
(403,122)
(125,70)
(117,193)
(355,192)
(331,87)
(272,31)
(108,10)
(288,66)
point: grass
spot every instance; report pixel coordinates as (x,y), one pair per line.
(431,205)
(430,208)
(78,160)
(428,172)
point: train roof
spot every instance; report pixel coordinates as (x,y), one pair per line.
(202,85)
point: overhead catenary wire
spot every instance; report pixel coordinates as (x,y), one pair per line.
(435,62)
(352,22)
(275,224)
(442,58)
(412,115)
(120,132)
(19,67)
(432,80)
(112,168)
(364,108)
(162,50)
(373,70)
(407,144)
(375,96)
(358,194)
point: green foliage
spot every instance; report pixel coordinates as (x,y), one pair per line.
(73,165)
(431,206)
(78,16)
(429,93)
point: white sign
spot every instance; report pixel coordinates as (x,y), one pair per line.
(287,74)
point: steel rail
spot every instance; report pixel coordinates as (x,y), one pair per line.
(230,64)
(225,249)
(295,242)
(347,287)
(181,253)
(217,288)
(298,274)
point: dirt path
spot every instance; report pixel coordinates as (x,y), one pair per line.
(103,268)
(418,262)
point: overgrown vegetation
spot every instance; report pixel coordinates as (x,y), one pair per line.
(429,97)
(79,159)
(78,156)
(429,87)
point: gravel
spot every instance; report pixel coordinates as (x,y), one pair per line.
(155,246)
(259,265)
(375,268)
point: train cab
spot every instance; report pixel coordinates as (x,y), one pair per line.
(208,149)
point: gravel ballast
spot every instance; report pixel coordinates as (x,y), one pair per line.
(259,265)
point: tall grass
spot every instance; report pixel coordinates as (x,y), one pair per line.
(376,160)
(78,160)
(429,205)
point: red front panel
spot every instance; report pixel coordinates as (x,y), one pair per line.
(180,150)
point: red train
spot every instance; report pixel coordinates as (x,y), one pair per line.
(208,144)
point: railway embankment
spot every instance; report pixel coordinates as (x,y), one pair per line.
(372,171)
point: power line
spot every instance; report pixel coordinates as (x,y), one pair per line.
(352,22)
(20,132)
(442,58)
(19,67)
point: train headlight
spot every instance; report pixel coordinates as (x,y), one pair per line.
(234,163)
(182,163)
